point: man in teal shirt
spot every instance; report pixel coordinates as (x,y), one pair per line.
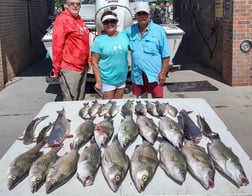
(150,54)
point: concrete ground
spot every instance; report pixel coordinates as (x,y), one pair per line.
(24,97)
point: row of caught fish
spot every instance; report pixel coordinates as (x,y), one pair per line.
(128,130)
(111,109)
(54,171)
(61,127)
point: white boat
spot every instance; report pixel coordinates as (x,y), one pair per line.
(92,10)
(120,7)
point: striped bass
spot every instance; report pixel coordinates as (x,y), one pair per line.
(199,164)
(227,162)
(172,161)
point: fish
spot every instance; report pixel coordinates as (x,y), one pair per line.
(43,132)
(103,132)
(20,166)
(161,108)
(127,132)
(191,131)
(140,108)
(147,128)
(199,163)
(88,164)
(114,110)
(227,162)
(172,161)
(151,108)
(127,108)
(39,169)
(171,131)
(172,110)
(143,165)
(104,109)
(60,130)
(83,112)
(114,164)
(94,108)
(30,129)
(62,170)
(204,127)
(83,133)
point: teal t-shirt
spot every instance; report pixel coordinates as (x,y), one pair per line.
(113,62)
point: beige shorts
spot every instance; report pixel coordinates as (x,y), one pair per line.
(73,84)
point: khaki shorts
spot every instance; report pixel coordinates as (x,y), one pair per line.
(72,84)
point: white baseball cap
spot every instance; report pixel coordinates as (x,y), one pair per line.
(142,7)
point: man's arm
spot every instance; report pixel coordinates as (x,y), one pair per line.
(58,40)
(164,70)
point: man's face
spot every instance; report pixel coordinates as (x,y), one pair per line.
(143,18)
(73,7)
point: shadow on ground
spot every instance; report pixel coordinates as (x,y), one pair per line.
(206,71)
(41,68)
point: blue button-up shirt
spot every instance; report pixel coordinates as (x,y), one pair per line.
(147,51)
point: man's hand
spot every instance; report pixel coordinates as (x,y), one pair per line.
(162,78)
(54,77)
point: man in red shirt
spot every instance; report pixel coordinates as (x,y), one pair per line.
(70,47)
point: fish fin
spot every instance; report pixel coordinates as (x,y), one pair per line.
(44,117)
(69,136)
(107,158)
(34,139)
(92,140)
(60,111)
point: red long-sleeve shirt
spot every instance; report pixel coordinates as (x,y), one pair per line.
(70,43)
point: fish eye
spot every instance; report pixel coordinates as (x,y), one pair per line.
(53,181)
(117,178)
(13,177)
(38,179)
(145,178)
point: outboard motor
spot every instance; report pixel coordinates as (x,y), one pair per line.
(120,7)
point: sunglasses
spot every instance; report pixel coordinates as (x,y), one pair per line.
(74,3)
(106,22)
(141,13)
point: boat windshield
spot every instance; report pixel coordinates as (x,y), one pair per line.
(87,1)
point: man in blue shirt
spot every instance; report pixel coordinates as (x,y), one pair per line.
(150,54)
